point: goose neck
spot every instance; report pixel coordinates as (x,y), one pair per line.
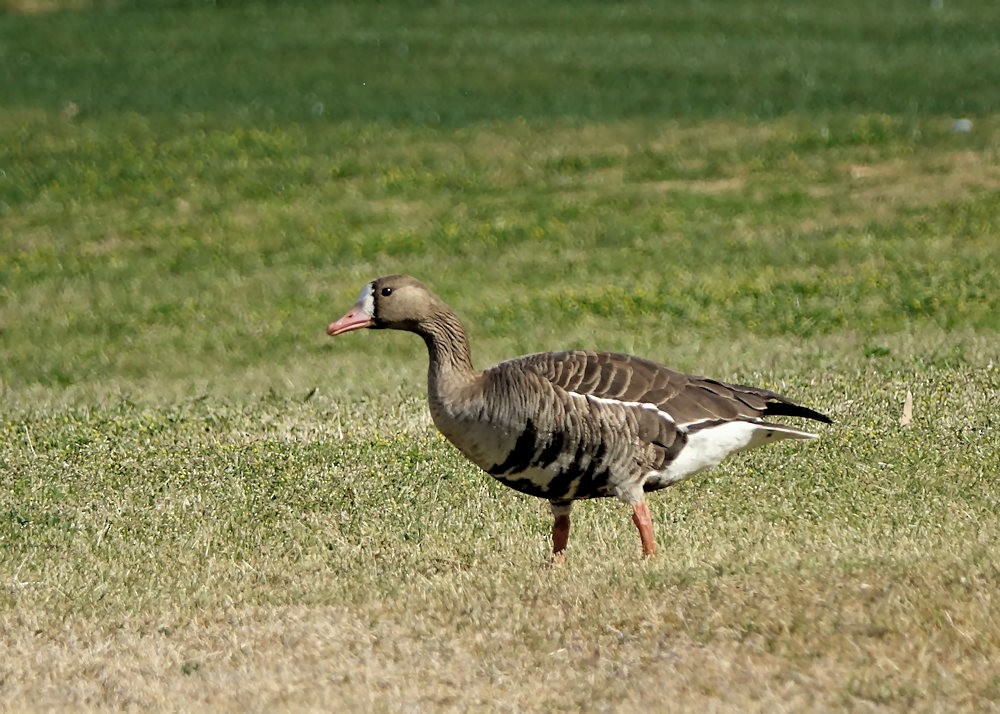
(447,347)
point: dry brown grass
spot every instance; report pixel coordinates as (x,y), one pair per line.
(502,639)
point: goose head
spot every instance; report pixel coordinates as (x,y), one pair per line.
(394,302)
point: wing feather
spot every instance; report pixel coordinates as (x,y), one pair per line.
(686,398)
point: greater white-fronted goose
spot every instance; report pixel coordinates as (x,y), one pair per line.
(571,425)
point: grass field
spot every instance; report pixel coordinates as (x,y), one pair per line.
(207,504)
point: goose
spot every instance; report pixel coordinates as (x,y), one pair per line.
(566,426)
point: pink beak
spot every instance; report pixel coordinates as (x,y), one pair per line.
(355,319)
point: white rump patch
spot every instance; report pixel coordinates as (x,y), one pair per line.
(709,446)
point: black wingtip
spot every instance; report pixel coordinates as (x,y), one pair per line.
(795,410)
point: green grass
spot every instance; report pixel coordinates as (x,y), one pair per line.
(207,503)
(453,63)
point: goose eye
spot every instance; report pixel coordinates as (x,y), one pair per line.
(386,292)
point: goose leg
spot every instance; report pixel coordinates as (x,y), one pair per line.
(644,522)
(560,528)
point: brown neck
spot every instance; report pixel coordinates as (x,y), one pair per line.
(447,348)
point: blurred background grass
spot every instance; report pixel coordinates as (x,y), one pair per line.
(195,188)
(458,62)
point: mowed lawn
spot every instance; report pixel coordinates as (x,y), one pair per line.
(207,504)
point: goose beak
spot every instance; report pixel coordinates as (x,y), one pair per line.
(357,318)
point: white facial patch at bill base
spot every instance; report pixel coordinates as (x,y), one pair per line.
(367,300)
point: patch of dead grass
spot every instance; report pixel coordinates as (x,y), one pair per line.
(520,642)
(850,191)
(38,7)
(879,191)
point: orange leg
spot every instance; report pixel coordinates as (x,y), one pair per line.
(644,522)
(560,529)
(560,535)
